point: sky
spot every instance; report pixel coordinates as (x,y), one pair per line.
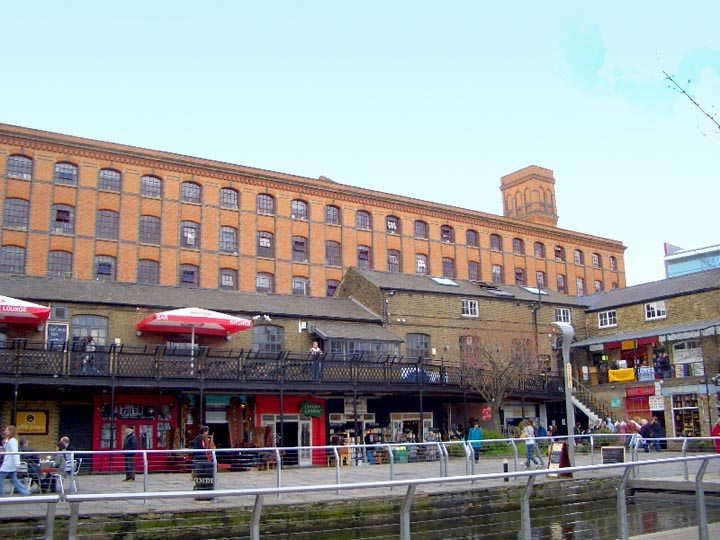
(432,100)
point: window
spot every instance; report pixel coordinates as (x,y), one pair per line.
(189,275)
(228,239)
(268,338)
(109,180)
(496,242)
(417,345)
(473,271)
(519,276)
(66,173)
(90,325)
(20,167)
(472,239)
(190,192)
(190,234)
(331,286)
(364,257)
(105,268)
(580,285)
(148,272)
(518,246)
(63,219)
(540,279)
(448,267)
(299,210)
(12,260)
(421,268)
(578,257)
(265,204)
(613,285)
(264,282)
(470,308)
(607,319)
(229,198)
(447,234)
(107,224)
(363,220)
(539,249)
(16,213)
(561,287)
(332,253)
(596,260)
(598,286)
(228,279)
(393,225)
(497,273)
(300,286)
(265,244)
(393,263)
(562,315)
(421,229)
(299,249)
(59,264)
(613,263)
(332,215)
(149,230)
(559,254)
(655,310)
(151,186)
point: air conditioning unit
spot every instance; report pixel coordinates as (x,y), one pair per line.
(59,313)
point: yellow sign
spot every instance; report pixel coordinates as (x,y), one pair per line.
(32,422)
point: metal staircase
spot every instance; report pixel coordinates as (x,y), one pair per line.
(583,399)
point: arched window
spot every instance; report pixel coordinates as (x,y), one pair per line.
(20,167)
(578,257)
(109,180)
(148,272)
(496,272)
(473,271)
(264,282)
(151,186)
(228,239)
(149,232)
(363,220)
(540,279)
(518,246)
(613,263)
(596,260)
(228,279)
(393,225)
(472,238)
(265,204)
(66,173)
(519,276)
(300,286)
(331,286)
(364,257)
(190,234)
(191,192)
(559,254)
(496,243)
(447,234)
(229,198)
(299,210)
(265,244)
(12,260)
(59,264)
(63,219)
(105,268)
(421,229)
(300,249)
(539,249)
(333,254)
(16,214)
(107,224)
(448,267)
(393,264)
(332,215)
(421,266)
(189,275)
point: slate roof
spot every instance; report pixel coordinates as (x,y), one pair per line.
(157,298)
(426,284)
(653,291)
(707,327)
(326,329)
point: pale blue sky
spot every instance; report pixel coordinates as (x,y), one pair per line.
(425,99)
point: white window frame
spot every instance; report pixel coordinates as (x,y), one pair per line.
(470,308)
(607,319)
(655,310)
(563,315)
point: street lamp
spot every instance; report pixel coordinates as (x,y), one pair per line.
(568,333)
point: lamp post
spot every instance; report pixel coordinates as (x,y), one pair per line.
(568,333)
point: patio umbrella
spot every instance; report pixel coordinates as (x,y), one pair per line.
(195,321)
(17,311)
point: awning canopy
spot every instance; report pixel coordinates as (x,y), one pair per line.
(193,320)
(17,311)
(364,332)
(674,332)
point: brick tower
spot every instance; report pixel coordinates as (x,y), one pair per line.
(529,194)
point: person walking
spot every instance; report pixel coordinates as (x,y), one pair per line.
(202,461)
(528,434)
(129,445)
(475,437)
(11,462)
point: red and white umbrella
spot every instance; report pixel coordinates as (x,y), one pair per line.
(17,311)
(195,321)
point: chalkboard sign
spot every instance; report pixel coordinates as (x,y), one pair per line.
(555,454)
(57,335)
(613,454)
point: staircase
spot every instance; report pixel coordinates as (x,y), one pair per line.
(584,400)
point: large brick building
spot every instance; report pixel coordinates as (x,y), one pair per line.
(91,210)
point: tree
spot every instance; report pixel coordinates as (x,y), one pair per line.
(675,86)
(494,365)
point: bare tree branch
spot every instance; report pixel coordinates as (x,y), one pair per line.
(682,90)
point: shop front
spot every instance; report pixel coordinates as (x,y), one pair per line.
(155,419)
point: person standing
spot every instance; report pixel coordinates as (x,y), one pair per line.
(202,461)
(475,437)
(315,357)
(11,462)
(33,462)
(528,434)
(129,446)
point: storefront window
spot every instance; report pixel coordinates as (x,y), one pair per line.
(686,415)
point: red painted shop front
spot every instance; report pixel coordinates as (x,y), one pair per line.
(155,419)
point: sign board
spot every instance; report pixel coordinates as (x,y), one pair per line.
(32,422)
(350,405)
(657,403)
(640,391)
(308,408)
(613,454)
(615,403)
(554,456)
(57,335)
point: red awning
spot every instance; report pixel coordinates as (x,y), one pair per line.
(16,311)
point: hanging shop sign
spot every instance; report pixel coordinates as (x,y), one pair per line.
(32,422)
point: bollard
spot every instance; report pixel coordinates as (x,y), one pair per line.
(505,468)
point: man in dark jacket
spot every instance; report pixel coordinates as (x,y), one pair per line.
(658,433)
(646,434)
(129,445)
